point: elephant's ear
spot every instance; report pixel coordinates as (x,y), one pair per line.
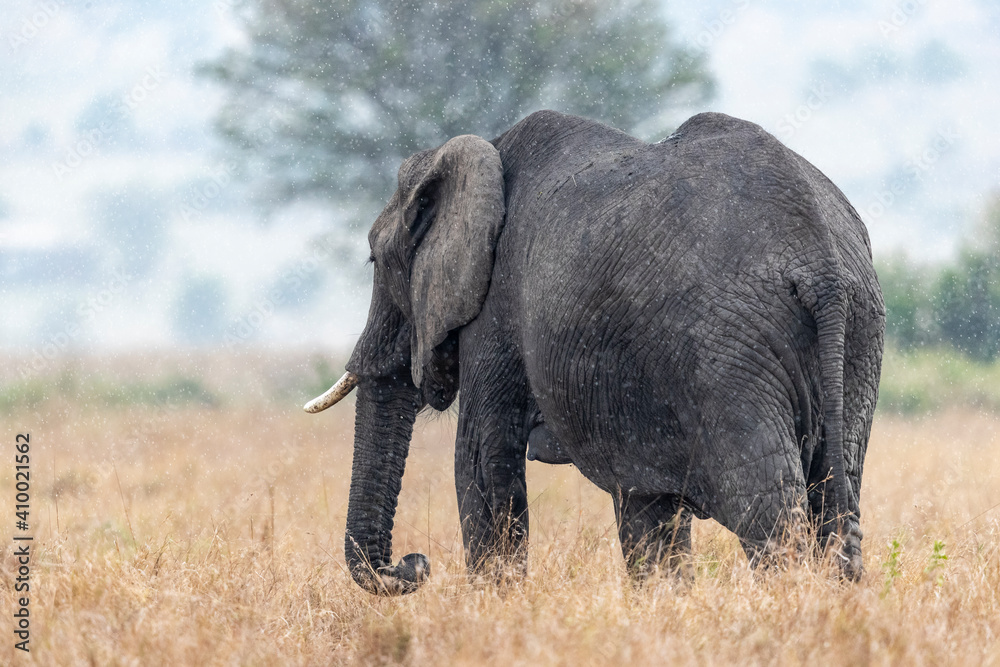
(454,216)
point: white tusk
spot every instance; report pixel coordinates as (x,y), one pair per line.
(333,394)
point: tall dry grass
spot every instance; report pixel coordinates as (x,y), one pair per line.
(214,536)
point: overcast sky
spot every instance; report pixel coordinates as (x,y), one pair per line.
(897,102)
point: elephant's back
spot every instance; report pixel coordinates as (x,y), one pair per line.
(653,278)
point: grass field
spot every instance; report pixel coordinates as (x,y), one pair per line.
(210,532)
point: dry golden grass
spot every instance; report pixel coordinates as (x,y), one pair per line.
(211,536)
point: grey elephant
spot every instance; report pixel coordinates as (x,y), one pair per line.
(695,324)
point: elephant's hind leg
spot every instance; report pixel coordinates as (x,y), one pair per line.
(655,533)
(789,538)
(760,494)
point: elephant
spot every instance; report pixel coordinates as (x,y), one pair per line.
(695,324)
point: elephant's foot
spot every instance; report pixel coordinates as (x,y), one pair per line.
(797,541)
(501,572)
(652,564)
(843,548)
(655,533)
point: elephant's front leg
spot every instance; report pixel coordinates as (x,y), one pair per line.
(489,471)
(492,496)
(655,533)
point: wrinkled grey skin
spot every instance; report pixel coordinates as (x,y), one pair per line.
(695,324)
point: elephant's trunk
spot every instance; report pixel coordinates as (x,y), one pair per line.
(383,426)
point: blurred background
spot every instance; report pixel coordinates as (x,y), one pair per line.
(179,178)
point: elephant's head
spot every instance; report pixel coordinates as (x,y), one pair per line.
(432,247)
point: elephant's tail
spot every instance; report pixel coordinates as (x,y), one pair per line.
(831,325)
(828,302)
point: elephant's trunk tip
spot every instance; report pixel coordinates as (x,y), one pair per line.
(333,395)
(412,571)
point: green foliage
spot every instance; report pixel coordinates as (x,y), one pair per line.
(935,567)
(27,393)
(95,390)
(969,305)
(173,390)
(328,98)
(930,378)
(957,304)
(892,566)
(909,309)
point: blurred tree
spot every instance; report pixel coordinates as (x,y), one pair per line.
(968,293)
(909,303)
(327,98)
(968,307)
(957,304)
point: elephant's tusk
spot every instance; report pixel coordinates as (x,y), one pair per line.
(333,394)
